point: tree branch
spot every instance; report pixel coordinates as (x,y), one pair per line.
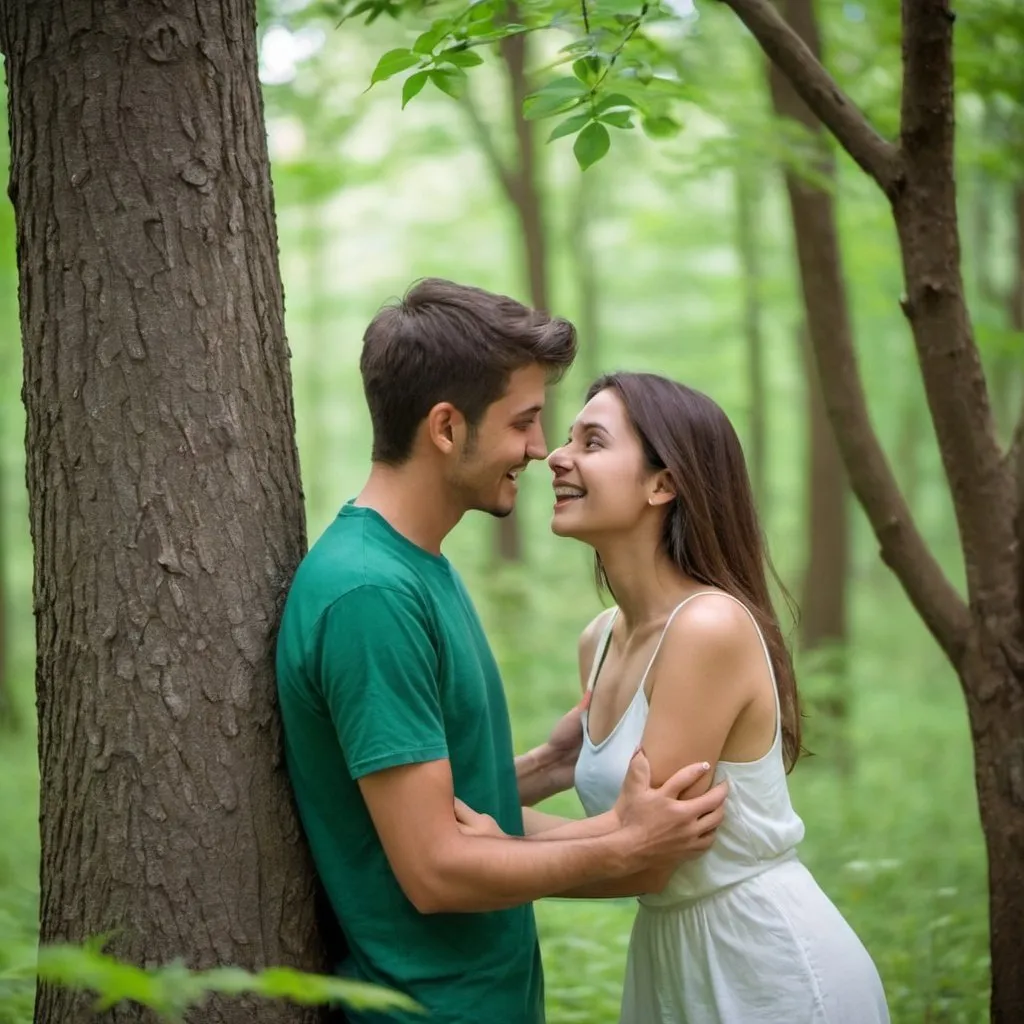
(831,336)
(485,138)
(902,547)
(878,157)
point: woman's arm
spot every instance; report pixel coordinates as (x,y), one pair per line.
(710,671)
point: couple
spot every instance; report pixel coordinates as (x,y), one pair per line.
(396,728)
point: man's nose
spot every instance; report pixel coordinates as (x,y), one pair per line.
(536,446)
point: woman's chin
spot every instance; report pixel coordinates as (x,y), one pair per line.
(561,526)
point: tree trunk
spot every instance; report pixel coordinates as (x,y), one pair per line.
(984,636)
(823,633)
(584,263)
(748,245)
(823,599)
(524,192)
(6,699)
(1017,293)
(164,490)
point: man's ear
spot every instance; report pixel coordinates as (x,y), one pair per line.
(662,489)
(446,427)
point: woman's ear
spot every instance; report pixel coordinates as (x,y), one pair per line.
(662,489)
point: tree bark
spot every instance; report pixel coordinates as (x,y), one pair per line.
(748,245)
(165,502)
(984,638)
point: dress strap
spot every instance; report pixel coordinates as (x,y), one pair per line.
(757,628)
(601,650)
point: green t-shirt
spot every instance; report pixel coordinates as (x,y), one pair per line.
(381,661)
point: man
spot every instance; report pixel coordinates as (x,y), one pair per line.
(393,707)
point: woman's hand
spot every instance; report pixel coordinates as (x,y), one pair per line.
(473,824)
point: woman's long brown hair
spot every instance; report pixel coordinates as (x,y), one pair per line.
(711,529)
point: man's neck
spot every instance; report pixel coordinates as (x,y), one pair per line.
(413,500)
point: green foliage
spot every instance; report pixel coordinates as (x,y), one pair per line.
(173,989)
(613,64)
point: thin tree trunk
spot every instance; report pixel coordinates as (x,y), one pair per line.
(1017,292)
(823,611)
(748,244)
(164,491)
(984,635)
(7,720)
(524,192)
(823,599)
(584,263)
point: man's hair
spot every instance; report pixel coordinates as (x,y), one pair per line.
(447,342)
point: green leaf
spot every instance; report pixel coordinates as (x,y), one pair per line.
(556,97)
(587,69)
(661,126)
(461,58)
(392,63)
(616,99)
(546,106)
(579,47)
(413,86)
(570,126)
(450,80)
(172,989)
(618,118)
(428,40)
(591,144)
(482,11)
(562,87)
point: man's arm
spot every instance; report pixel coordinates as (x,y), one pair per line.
(442,870)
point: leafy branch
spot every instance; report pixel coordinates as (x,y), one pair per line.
(173,989)
(603,92)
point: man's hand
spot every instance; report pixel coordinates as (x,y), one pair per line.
(668,829)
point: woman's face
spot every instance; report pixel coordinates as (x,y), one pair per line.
(601,480)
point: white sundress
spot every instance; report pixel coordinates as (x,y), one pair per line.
(742,935)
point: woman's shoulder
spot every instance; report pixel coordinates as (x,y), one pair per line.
(714,624)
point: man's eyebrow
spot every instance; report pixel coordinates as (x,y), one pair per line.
(531,412)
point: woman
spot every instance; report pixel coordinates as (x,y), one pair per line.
(691,665)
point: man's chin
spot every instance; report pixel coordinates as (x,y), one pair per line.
(500,511)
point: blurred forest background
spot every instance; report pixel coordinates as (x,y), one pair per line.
(673,254)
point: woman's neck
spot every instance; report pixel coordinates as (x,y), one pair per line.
(647,585)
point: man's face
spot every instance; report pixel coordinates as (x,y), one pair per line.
(508,437)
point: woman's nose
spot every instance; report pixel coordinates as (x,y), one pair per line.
(558,459)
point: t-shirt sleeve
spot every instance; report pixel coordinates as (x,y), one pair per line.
(379,671)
